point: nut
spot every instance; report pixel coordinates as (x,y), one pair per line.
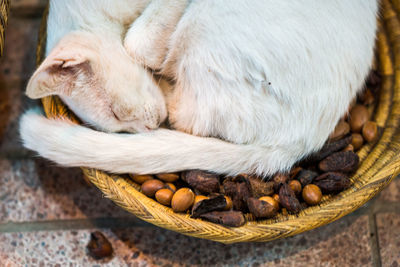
(150,187)
(305,177)
(140,179)
(341,129)
(205,182)
(294,171)
(288,199)
(171,187)
(168,177)
(312,194)
(228,218)
(271,201)
(357,141)
(199,198)
(296,186)
(99,247)
(276,197)
(182,200)
(370,131)
(259,188)
(208,205)
(332,182)
(164,196)
(229,203)
(260,208)
(349,148)
(358,117)
(346,161)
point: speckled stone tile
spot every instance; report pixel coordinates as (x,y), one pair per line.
(18,61)
(389,238)
(32,190)
(343,243)
(391,192)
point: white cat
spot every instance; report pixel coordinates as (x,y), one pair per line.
(271,78)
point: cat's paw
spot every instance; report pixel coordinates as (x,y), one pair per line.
(144,49)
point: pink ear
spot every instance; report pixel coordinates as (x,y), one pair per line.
(56,75)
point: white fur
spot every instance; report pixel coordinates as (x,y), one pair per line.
(270,77)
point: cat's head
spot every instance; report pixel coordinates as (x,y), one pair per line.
(100,83)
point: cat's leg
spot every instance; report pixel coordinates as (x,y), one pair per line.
(147,38)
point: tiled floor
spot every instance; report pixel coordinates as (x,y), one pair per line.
(47,213)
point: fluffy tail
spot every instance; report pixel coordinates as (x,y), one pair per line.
(153,152)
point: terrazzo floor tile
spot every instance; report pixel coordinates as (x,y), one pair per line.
(389,238)
(32,190)
(343,243)
(392,192)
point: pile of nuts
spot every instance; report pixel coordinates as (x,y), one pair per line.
(226,200)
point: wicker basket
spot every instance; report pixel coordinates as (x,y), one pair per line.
(380,163)
(4,8)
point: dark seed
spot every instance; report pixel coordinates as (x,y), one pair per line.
(239,193)
(259,188)
(208,205)
(205,182)
(260,208)
(279,179)
(288,199)
(327,150)
(305,177)
(332,182)
(99,247)
(345,161)
(228,218)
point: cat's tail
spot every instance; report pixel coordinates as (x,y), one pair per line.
(157,151)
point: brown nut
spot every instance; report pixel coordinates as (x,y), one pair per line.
(276,197)
(164,196)
(271,201)
(199,198)
(370,131)
(367,98)
(171,187)
(346,161)
(349,148)
(99,247)
(312,194)
(182,200)
(140,179)
(150,187)
(293,172)
(358,117)
(357,141)
(341,129)
(296,186)
(168,177)
(229,203)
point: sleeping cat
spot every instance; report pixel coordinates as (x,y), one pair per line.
(258,85)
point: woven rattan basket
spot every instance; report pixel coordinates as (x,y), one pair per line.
(380,162)
(4,8)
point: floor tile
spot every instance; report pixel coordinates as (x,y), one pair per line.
(392,192)
(32,190)
(343,243)
(389,238)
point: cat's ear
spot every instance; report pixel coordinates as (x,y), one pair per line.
(58,73)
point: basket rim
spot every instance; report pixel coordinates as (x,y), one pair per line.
(380,163)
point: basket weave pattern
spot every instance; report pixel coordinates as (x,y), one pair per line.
(4,8)
(380,162)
